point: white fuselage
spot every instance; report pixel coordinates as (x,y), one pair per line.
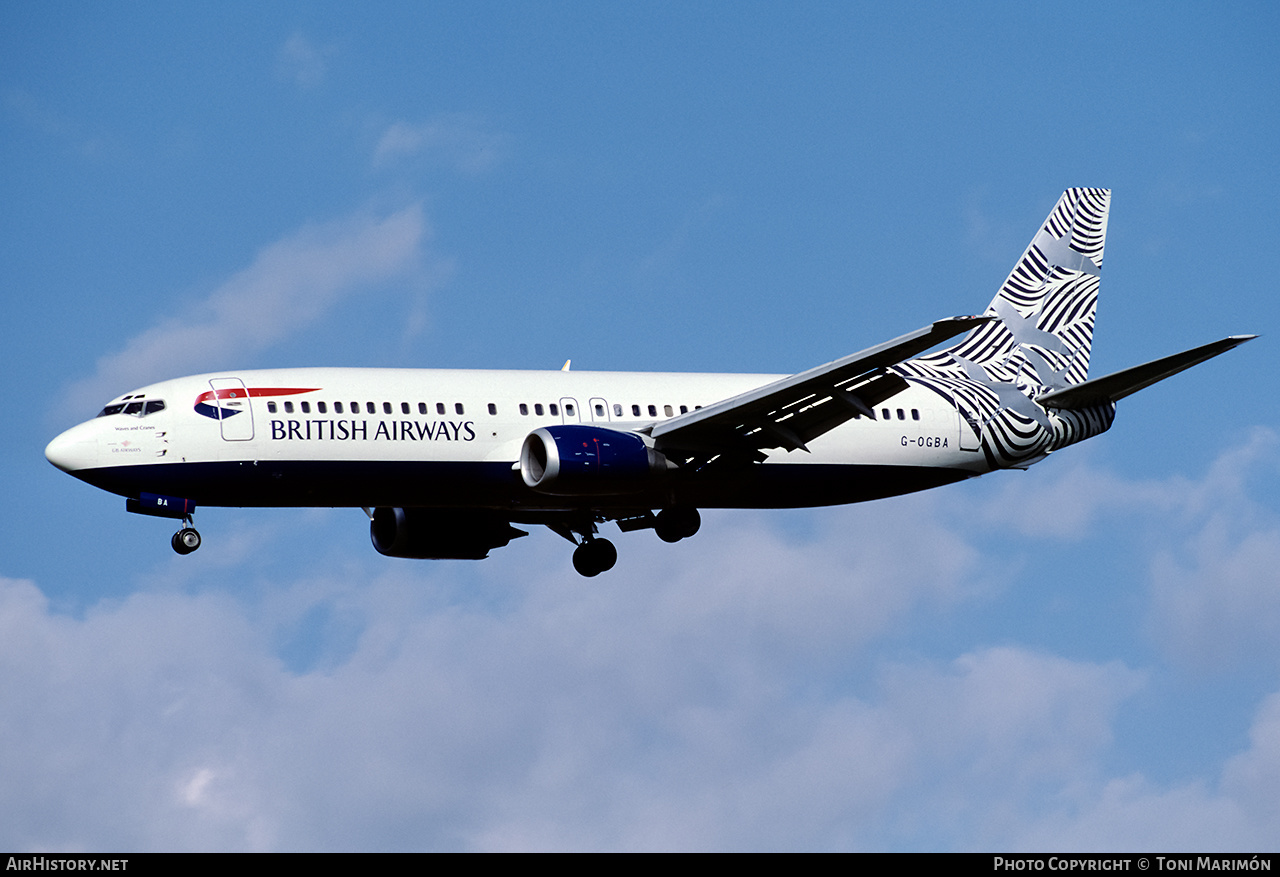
(451,438)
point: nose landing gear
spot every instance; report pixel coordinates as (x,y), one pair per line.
(158,505)
(187,539)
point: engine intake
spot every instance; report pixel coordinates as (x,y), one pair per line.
(578,460)
(439,534)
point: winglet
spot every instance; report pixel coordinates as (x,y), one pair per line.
(565,367)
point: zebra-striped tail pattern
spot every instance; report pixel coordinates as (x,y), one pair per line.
(1039,341)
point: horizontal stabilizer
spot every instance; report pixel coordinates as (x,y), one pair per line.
(1117,385)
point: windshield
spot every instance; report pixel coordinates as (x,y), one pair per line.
(137,407)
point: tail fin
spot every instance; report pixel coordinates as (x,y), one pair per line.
(1048,304)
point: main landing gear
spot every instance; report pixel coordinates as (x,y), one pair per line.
(676,523)
(594,556)
(187,539)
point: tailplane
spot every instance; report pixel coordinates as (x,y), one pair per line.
(1117,385)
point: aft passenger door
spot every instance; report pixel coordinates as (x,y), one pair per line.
(235,416)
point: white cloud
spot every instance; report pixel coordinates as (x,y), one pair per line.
(290,285)
(458,141)
(1216,588)
(1065,498)
(1234,811)
(750,688)
(302,61)
(164,722)
(1212,549)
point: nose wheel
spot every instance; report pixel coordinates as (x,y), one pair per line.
(185,540)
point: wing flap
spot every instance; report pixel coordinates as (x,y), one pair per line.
(793,411)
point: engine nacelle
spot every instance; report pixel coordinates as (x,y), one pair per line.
(579,460)
(439,534)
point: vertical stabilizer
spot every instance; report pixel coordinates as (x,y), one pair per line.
(1038,344)
(1048,304)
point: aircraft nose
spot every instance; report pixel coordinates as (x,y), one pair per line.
(75,449)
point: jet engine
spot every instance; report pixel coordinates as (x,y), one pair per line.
(579,460)
(439,534)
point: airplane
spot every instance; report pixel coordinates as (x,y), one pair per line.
(446,462)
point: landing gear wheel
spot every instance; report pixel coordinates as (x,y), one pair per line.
(594,557)
(606,554)
(678,523)
(185,540)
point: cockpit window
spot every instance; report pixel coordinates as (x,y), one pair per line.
(138,407)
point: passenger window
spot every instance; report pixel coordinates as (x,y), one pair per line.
(337,407)
(537,408)
(684,409)
(386,407)
(271,407)
(901,415)
(524,409)
(915,413)
(599,410)
(439,408)
(653,410)
(355,407)
(422,407)
(568,410)
(666,409)
(884,413)
(457,406)
(306,407)
(370,407)
(493,409)
(555,409)
(288,407)
(635,410)
(617,410)
(322,408)
(404,408)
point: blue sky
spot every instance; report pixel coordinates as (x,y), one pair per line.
(1082,656)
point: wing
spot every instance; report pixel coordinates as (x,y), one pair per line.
(793,411)
(1117,385)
